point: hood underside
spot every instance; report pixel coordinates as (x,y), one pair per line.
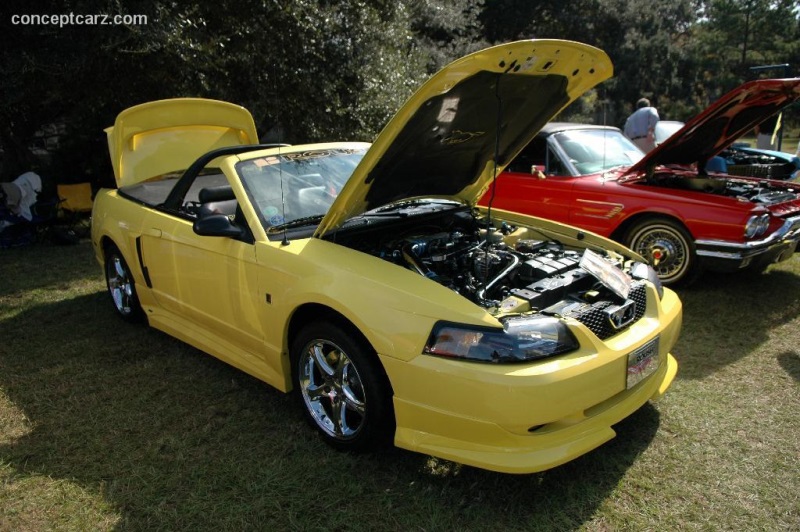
(466,123)
(720,125)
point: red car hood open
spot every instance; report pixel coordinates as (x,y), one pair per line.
(720,125)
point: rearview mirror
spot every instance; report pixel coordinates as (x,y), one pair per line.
(217,225)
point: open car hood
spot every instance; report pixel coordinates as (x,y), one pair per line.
(721,124)
(442,142)
(166,136)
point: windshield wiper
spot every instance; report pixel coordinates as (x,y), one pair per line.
(613,168)
(396,206)
(408,203)
(295,223)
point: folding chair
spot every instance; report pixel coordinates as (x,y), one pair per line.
(75,205)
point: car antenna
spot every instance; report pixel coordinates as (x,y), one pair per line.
(285,239)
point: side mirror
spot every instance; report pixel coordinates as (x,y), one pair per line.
(217,225)
(538,171)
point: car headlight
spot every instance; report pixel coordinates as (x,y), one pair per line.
(640,270)
(521,339)
(756,225)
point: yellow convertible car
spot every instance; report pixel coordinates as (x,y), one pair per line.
(364,278)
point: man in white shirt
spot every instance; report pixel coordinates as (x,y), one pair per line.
(640,126)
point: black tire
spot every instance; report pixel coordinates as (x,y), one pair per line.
(342,388)
(668,247)
(121,287)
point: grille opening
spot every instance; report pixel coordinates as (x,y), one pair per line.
(596,320)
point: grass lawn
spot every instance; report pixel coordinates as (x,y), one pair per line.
(106,425)
(789,144)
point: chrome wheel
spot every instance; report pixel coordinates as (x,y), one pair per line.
(342,386)
(121,287)
(666,246)
(332,389)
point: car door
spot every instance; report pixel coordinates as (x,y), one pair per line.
(599,204)
(535,183)
(212,282)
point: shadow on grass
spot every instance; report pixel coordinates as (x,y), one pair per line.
(790,362)
(171,438)
(46,265)
(727,317)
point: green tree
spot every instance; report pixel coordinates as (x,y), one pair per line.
(309,70)
(315,70)
(649,42)
(445,30)
(733,36)
(744,33)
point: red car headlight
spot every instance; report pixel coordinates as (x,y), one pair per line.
(756,225)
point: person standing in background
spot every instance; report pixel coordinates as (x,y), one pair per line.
(640,126)
(767,134)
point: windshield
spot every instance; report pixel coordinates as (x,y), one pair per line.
(294,186)
(665,129)
(594,150)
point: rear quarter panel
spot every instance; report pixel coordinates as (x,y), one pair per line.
(117,221)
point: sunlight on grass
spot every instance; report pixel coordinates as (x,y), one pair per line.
(443,468)
(36,502)
(13,422)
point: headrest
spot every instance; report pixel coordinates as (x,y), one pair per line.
(218,193)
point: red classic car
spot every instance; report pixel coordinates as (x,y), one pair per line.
(663,205)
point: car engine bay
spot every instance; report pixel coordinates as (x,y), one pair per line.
(502,269)
(748,163)
(759,191)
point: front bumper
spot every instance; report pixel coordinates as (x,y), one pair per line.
(530,417)
(720,255)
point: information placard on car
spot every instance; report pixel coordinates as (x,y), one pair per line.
(642,363)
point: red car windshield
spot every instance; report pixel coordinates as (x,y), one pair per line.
(595,150)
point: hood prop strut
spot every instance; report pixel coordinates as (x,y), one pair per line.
(494,160)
